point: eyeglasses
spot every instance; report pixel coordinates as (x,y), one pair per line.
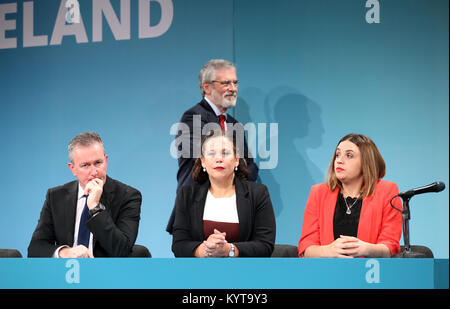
(226,83)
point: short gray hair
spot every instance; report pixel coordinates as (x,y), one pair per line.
(84,139)
(208,72)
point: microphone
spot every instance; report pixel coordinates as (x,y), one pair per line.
(437,186)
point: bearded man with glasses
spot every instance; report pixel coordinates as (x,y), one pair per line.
(219,87)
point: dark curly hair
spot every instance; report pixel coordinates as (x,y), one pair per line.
(201,176)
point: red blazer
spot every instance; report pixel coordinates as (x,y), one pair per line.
(379,223)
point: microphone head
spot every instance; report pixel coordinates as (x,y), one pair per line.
(440,186)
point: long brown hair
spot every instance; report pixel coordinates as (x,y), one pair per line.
(373,167)
(201,176)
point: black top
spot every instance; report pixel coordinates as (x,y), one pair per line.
(346,224)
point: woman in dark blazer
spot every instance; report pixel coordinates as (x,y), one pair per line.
(221,214)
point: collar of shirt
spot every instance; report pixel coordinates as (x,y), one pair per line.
(80,192)
(215,108)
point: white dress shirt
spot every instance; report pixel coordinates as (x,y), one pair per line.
(81,201)
(222,209)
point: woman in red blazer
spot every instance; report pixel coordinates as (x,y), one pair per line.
(350,215)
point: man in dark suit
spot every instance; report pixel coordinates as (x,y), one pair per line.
(94,216)
(219,87)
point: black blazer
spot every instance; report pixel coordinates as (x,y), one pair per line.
(255,212)
(114,229)
(185,165)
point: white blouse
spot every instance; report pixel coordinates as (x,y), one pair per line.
(223,209)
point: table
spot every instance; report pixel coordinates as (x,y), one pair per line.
(239,273)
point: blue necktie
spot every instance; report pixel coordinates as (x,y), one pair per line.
(83,231)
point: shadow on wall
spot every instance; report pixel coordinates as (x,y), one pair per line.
(299,128)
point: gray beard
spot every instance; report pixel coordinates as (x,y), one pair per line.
(226,104)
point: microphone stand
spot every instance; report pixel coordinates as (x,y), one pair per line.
(406,215)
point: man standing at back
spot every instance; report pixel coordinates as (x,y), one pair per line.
(219,87)
(92,216)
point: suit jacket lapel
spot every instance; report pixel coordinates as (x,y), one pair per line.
(244,209)
(199,207)
(365,219)
(211,115)
(70,204)
(328,215)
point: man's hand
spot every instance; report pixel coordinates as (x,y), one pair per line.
(94,189)
(75,252)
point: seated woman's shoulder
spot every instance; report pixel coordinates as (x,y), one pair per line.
(191,188)
(254,185)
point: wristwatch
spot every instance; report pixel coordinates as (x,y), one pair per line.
(96,209)
(231,253)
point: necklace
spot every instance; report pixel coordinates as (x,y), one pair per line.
(349,211)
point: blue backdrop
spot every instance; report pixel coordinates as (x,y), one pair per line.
(317,68)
